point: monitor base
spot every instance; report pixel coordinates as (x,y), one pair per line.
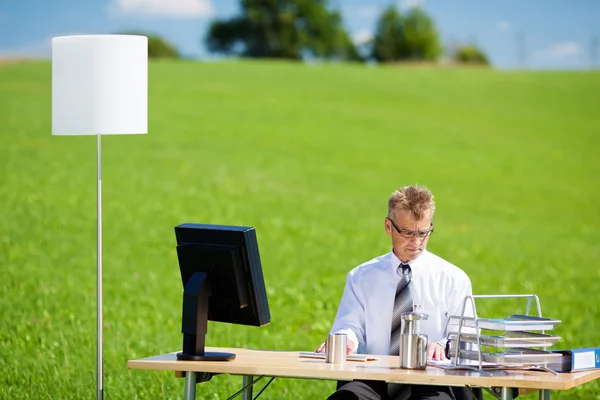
(208,356)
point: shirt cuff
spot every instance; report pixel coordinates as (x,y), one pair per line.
(350,335)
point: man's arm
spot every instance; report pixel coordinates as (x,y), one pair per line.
(350,317)
(460,291)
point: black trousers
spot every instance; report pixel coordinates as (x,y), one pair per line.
(378,390)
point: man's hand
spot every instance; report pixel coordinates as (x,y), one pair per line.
(436,352)
(321,348)
(350,347)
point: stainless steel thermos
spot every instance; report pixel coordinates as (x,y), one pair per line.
(413,345)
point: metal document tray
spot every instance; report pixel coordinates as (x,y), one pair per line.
(514,322)
(516,356)
(508,340)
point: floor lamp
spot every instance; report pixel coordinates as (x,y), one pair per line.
(99,87)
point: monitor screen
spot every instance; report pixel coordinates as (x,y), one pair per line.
(222,277)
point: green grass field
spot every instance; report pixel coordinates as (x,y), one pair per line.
(308,155)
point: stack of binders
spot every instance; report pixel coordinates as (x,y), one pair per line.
(576,359)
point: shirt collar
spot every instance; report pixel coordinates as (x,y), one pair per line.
(395,261)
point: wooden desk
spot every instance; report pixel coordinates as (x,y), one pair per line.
(287,364)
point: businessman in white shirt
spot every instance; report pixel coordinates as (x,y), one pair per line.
(438,289)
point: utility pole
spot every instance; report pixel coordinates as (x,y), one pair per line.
(594,44)
(521,50)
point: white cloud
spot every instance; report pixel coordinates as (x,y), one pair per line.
(27,50)
(560,55)
(404,4)
(366,12)
(169,8)
(40,49)
(362,37)
(563,50)
(503,26)
(34,49)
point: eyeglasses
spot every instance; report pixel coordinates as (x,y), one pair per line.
(411,234)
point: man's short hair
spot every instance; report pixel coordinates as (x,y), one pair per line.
(416,199)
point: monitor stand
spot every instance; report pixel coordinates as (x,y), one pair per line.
(194,322)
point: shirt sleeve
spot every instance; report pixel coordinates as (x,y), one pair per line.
(456,302)
(350,318)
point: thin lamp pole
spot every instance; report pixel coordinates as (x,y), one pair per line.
(99,382)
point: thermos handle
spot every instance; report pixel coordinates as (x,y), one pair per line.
(422,354)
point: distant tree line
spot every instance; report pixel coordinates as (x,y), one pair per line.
(410,36)
(157,46)
(301,29)
(290,29)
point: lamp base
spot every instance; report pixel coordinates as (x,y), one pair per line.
(208,356)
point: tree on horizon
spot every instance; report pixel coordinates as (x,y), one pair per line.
(404,37)
(157,46)
(289,29)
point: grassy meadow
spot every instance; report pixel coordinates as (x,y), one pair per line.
(308,155)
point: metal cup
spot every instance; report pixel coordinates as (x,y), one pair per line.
(413,351)
(335,348)
(413,346)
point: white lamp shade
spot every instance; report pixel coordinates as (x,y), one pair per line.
(99,85)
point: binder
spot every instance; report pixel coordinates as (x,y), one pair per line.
(577,359)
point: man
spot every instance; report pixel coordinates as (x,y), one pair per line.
(415,276)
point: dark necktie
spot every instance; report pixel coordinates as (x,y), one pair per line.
(403,302)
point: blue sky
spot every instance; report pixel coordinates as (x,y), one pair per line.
(551,34)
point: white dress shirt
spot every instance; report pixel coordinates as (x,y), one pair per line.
(365,311)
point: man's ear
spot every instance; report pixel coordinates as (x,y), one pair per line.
(388,226)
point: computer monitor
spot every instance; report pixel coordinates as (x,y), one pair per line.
(223,281)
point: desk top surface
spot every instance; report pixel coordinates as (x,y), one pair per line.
(289,364)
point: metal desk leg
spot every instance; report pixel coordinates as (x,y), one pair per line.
(506,394)
(544,394)
(190,386)
(247,394)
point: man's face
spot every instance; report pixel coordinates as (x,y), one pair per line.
(408,248)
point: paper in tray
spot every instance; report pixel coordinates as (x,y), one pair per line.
(514,322)
(509,339)
(511,356)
